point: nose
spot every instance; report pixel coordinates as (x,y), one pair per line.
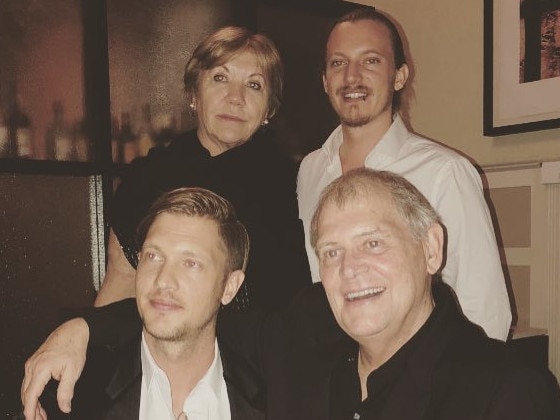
(353,73)
(236,94)
(352,266)
(165,278)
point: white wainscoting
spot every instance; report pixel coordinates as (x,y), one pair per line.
(540,255)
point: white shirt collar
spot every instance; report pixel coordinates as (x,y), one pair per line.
(387,147)
(208,399)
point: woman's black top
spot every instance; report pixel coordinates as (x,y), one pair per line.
(256,178)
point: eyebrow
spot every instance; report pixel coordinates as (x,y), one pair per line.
(378,231)
(257,74)
(366,52)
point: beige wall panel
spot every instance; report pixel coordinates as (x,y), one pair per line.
(521,285)
(513,209)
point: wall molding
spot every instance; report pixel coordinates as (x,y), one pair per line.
(553,269)
(545,201)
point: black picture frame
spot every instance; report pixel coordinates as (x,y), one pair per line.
(517,100)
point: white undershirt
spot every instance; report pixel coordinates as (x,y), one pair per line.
(207,401)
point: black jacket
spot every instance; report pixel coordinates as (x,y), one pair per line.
(110,386)
(449,370)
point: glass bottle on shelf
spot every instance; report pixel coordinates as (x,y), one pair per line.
(145,131)
(19,128)
(4,142)
(59,136)
(128,148)
(80,142)
(166,129)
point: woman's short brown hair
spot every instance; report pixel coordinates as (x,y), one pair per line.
(226,43)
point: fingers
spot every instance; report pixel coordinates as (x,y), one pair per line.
(65,392)
(33,385)
(61,357)
(40,414)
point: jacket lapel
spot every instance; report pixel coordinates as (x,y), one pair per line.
(245,389)
(125,385)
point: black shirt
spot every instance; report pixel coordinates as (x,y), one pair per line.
(256,178)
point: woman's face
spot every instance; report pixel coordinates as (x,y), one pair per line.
(231,103)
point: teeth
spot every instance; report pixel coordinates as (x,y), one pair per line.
(355,95)
(364,293)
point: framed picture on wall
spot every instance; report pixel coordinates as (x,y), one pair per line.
(521,66)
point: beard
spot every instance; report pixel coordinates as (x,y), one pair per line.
(357,116)
(355,121)
(184,332)
(353,116)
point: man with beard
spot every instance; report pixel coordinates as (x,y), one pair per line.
(365,73)
(192,260)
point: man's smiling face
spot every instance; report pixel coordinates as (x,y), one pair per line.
(360,75)
(377,276)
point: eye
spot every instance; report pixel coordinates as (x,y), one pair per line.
(372,244)
(370,62)
(337,63)
(192,263)
(254,85)
(219,77)
(149,256)
(329,254)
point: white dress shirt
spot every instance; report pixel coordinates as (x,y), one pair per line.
(207,401)
(454,188)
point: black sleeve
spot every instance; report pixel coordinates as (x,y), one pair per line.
(113,324)
(526,394)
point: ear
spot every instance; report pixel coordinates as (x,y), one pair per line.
(233,283)
(193,102)
(401,77)
(433,248)
(325,86)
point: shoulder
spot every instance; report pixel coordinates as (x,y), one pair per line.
(325,154)
(434,153)
(313,160)
(496,379)
(263,148)
(433,167)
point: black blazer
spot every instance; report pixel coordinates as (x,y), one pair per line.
(453,372)
(109,388)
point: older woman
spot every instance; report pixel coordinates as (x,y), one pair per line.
(233,84)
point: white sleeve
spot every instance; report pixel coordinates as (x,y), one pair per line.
(306,204)
(473,267)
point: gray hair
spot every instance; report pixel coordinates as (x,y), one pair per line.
(413,207)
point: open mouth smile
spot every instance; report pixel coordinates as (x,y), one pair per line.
(363,294)
(355,95)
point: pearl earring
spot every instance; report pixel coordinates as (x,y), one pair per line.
(193,106)
(265,122)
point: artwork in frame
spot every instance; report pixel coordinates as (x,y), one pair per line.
(521,66)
